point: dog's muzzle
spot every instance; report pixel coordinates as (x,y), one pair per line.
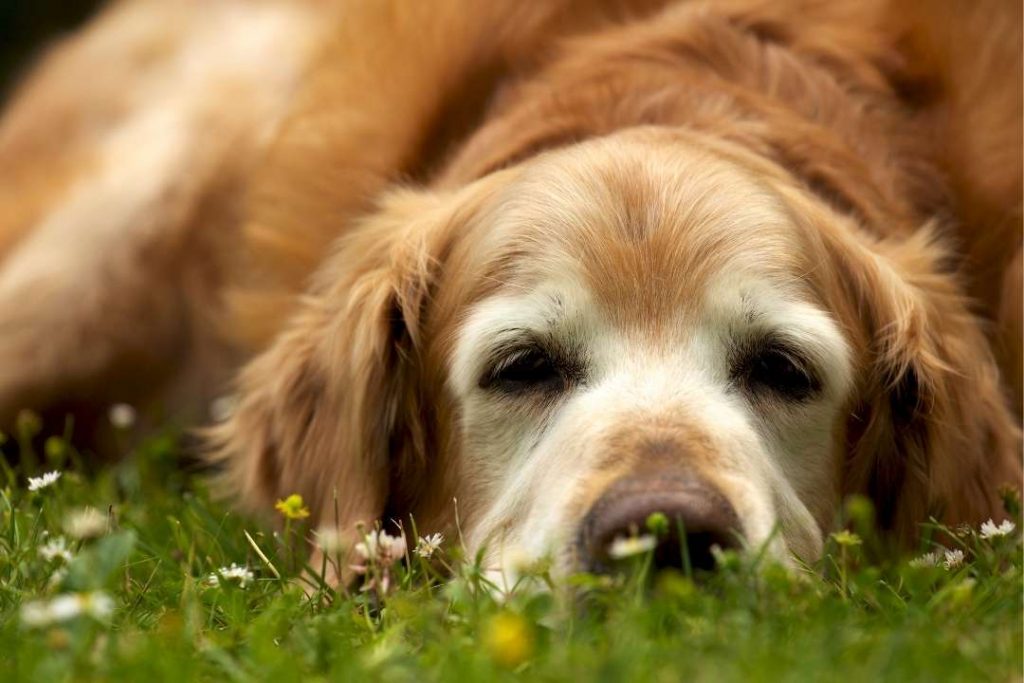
(699,518)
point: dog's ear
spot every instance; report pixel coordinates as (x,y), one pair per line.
(931,432)
(328,406)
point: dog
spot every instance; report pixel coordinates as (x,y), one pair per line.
(536,270)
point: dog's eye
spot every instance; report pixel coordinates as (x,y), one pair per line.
(780,371)
(524,370)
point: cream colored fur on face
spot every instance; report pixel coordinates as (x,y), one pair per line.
(666,376)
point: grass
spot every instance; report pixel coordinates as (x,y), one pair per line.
(859,615)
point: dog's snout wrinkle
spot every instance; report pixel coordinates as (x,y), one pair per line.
(699,515)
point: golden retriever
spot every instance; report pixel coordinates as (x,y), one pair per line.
(549,267)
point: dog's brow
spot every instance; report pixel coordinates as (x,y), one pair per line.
(766,334)
(771,338)
(509,338)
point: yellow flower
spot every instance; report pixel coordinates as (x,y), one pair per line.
(292,507)
(508,639)
(846,538)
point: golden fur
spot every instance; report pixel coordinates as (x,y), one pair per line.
(333,237)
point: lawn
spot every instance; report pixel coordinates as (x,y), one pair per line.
(133,573)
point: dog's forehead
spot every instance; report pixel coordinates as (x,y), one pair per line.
(648,230)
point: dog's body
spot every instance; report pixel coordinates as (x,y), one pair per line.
(761,254)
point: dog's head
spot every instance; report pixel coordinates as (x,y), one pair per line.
(648,322)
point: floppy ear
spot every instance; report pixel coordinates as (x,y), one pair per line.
(931,433)
(328,407)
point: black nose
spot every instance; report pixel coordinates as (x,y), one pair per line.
(699,518)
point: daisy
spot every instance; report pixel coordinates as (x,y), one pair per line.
(241,575)
(56,549)
(954,559)
(85,523)
(329,540)
(634,545)
(428,545)
(990,530)
(381,547)
(48,479)
(38,613)
(392,548)
(376,553)
(926,560)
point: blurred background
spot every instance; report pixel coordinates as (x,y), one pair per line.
(27,27)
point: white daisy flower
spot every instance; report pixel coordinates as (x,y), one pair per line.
(954,559)
(428,545)
(85,523)
(39,613)
(382,547)
(393,547)
(367,548)
(376,553)
(55,549)
(48,479)
(623,547)
(926,560)
(330,540)
(243,576)
(990,530)
(122,415)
